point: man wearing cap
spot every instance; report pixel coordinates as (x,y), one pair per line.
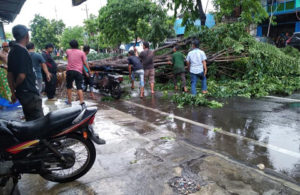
(21,78)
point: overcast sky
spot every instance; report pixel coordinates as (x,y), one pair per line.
(62,9)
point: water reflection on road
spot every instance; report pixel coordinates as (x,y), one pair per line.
(271,122)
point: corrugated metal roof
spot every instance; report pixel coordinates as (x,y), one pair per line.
(9,9)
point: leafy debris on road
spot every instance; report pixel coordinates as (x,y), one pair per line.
(183,185)
(167,138)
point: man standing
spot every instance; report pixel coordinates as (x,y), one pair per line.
(21,77)
(196,61)
(76,60)
(147,58)
(88,79)
(50,86)
(178,68)
(135,67)
(38,63)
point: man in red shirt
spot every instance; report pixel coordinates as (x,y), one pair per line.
(76,60)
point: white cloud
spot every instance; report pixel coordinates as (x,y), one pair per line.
(63,9)
(56,9)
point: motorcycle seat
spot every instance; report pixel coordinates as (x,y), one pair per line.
(49,125)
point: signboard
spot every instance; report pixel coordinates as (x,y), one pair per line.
(77,2)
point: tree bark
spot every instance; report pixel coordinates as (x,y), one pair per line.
(201,13)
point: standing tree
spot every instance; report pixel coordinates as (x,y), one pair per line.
(122,21)
(96,39)
(45,31)
(190,10)
(71,33)
(252,11)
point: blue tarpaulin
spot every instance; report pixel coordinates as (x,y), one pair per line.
(6,103)
(179,29)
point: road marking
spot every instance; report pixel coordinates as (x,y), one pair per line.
(255,142)
(208,151)
(281,98)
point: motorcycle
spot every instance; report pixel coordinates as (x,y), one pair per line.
(108,82)
(59,147)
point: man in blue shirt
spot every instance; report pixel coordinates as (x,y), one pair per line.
(135,67)
(38,63)
(196,61)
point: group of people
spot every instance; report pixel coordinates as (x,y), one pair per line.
(25,70)
(142,65)
(282,39)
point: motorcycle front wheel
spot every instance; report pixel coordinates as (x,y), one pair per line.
(85,155)
(116,91)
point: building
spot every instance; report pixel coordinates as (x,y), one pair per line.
(180,30)
(287,17)
(8,11)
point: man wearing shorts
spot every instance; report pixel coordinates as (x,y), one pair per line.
(147,58)
(76,60)
(135,67)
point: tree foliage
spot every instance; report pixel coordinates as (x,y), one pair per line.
(252,11)
(9,36)
(123,21)
(96,39)
(45,31)
(190,10)
(71,33)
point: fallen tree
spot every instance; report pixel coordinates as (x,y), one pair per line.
(238,65)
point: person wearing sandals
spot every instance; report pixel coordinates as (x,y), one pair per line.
(196,61)
(147,58)
(178,68)
(135,68)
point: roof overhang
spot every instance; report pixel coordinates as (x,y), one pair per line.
(9,9)
(77,2)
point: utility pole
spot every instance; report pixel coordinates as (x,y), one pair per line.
(206,6)
(86,11)
(55,10)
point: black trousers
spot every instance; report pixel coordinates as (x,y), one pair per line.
(31,104)
(50,87)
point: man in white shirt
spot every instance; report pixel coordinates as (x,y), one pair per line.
(196,61)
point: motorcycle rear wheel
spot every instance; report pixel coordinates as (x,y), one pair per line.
(116,91)
(71,174)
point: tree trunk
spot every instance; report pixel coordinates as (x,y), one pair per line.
(201,13)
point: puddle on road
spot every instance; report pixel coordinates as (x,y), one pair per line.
(265,121)
(261,120)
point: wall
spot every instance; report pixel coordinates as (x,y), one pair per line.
(297,3)
(2,34)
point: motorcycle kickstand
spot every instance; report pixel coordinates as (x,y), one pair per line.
(15,183)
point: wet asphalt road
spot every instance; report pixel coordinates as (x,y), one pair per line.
(265,130)
(251,131)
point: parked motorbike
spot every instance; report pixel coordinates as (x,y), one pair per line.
(59,146)
(108,82)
